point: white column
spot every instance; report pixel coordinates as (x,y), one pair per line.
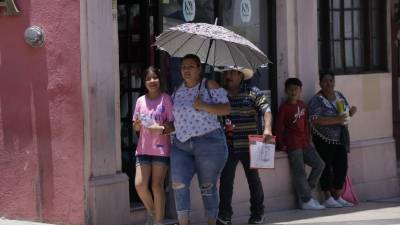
(286,59)
(307,42)
(297,44)
(106,188)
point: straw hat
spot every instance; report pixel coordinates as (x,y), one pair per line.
(248,73)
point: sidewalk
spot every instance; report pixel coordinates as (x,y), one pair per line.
(4,221)
(379,212)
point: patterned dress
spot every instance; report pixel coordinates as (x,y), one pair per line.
(320,106)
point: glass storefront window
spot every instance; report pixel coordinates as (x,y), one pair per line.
(243,18)
(248,18)
(173,13)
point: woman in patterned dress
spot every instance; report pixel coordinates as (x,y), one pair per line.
(199,145)
(327,125)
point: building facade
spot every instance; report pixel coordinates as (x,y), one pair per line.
(66,141)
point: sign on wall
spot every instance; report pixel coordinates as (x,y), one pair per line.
(10,7)
(189,10)
(245,11)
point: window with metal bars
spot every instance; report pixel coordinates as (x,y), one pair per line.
(352,36)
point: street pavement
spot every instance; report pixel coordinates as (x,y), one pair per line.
(378,212)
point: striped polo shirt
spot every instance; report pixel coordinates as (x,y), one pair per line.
(246,108)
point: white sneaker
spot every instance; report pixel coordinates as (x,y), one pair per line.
(318,204)
(312,204)
(332,203)
(344,203)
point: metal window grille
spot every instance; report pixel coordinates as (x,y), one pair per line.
(352,36)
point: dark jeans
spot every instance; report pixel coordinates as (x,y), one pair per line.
(335,158)
(297,159)
(226,185)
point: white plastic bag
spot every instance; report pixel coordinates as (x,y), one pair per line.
(262,155)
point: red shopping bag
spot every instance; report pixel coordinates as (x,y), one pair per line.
(348,192)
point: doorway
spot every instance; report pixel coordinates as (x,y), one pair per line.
(137,26)
(139,22)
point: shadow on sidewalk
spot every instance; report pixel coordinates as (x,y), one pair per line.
(380,212)
(360,222)
(362,213)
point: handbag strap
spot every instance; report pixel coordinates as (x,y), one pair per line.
(205,81)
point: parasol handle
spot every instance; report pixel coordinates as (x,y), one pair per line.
(209,48)
(211,41)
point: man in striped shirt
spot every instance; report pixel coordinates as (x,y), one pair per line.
(247,103)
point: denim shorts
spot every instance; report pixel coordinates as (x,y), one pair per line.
(151,159)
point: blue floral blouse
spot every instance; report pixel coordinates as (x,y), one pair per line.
(190,122)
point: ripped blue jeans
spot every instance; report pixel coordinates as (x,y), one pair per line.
(205,155)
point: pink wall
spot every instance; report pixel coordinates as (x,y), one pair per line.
(41,119)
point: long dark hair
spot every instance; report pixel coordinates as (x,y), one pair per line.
(156,71)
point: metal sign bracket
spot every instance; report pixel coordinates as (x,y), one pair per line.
(11,7)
